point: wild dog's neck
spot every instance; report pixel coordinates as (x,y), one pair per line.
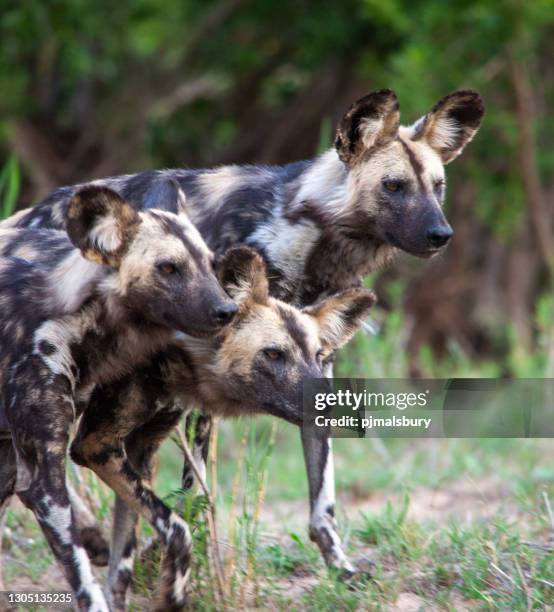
(326,185)
(111,341)
(316,246)
(186,366)
(196,353)
(107,337)
(191,372)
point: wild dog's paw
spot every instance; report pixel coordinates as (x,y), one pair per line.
(362,569)
(96,546)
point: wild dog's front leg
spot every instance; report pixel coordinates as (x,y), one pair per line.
(123,552)
(107,457)
(113,467)
(4,604)
(141,446)
(7,486)
(43,490)
(318,455)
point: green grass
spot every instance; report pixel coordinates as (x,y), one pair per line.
(500,561)
(463,553)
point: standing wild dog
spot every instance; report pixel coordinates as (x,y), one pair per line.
(321,225)
(82,317)
(257,364)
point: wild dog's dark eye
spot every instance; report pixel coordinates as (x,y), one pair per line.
(438,184)
(274,354)
(393,185)
(167,268)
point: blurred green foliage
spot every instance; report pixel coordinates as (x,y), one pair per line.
(59,54)
(92,89)
(10,180)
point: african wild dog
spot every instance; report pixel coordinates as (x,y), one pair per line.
(321,224)
(77,317)
(257,364)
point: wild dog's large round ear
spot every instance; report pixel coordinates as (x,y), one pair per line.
(340,316)
(242,274)
(371,122)
(451,124)
(101,224)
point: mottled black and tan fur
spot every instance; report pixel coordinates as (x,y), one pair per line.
(320,224)
(257,364)
(82,312)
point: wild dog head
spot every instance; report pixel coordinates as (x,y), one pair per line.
(163,271)
(271,347)
(396,173)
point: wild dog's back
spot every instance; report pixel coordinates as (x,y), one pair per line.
(322,224)
(24,305)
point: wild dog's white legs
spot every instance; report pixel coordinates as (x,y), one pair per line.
(318,455)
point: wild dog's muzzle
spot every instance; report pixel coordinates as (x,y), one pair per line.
(439,235)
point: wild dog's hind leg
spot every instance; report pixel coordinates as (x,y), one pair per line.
(141,446)
(91,536)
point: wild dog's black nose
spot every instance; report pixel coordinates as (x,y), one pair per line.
(439,235)
(223,315)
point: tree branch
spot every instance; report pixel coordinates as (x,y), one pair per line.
(538,212)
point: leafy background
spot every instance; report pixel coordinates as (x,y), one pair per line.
(92,89)
(95,89)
